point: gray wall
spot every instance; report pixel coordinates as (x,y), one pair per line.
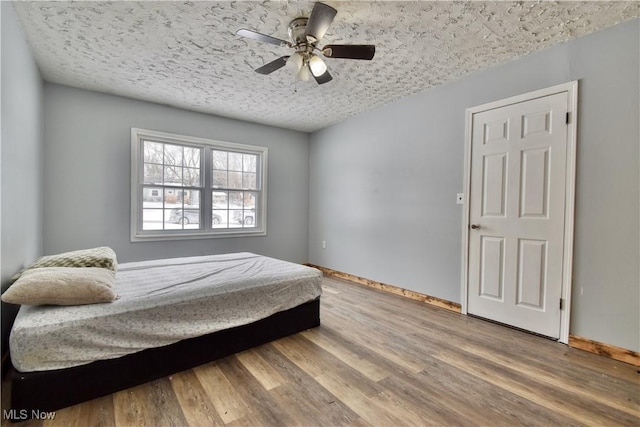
(383,184)
(87,176)
(21,146)
(21,150)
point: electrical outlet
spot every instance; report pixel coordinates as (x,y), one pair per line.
(324,244)
(460,198)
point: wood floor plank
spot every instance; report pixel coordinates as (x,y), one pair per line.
(478,400)
(330,289)
(367,334)
(263,408)
(97,412)
(194,401)
(130,408)
(304,397)
(364,405)
(302,354)
(333,364)
(222,393)
(355,361)
(260,369)
(548,398)
(588,361)
(629,402)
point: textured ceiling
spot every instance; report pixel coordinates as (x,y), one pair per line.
(187,54)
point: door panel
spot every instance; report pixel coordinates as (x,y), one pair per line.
(492,262)
(517,202)
(494,185)
(532,272)
(534,189)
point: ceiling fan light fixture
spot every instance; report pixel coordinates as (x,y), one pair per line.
(317,66)
(294,63)
(304,36)
(303,74)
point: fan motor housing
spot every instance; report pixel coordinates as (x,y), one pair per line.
(297,29)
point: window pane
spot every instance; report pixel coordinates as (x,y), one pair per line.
(249,215)
(235,161)
(249,162)
(172,219)
(191,218)
(219,179)
(235,200)
(249,181)
(152,197)
(192,157)
(236,218)
(219,200)
(219,159)
(153,152)
(235,180)
(186,198)
(191,199)
(171,198)
(249,218)
(191,177)
(172,175)
(152,174)
(219,214)
(249,200)
(152,219)
(182,219)
(219,218)
(173,155)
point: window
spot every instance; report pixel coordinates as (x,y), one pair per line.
(184,187)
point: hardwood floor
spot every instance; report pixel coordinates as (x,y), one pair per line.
(383,360)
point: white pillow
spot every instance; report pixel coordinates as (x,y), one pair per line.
(62,286)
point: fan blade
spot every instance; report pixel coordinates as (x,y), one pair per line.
(349,51)
(273,66)
(319,21)
(250,34)
(324,78)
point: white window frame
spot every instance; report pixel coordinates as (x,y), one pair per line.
(137,179)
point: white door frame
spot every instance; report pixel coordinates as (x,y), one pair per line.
(572,95)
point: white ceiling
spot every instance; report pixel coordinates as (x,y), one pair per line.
(186,54)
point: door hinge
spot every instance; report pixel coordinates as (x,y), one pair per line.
(568,118)
(561,303)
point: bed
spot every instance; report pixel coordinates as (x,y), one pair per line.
(170,315)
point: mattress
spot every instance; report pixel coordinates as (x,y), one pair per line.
(161,302)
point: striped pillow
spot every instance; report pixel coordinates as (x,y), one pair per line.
(102,257)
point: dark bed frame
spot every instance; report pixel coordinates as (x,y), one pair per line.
(47,391)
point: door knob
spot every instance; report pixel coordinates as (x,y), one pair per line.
(475,226)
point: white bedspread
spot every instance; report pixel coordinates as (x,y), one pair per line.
(161,302)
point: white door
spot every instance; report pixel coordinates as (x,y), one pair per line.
(518,173)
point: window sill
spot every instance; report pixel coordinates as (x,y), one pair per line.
(151,237)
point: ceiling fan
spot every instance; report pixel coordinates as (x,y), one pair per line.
(304,35)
